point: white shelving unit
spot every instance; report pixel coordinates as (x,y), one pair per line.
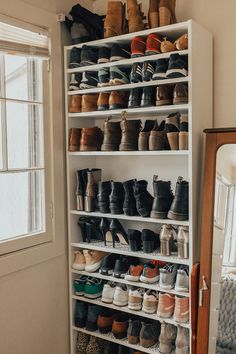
(121,166)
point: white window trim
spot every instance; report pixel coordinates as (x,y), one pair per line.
(56,246)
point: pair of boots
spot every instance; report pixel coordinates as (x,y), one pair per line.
(172,337)
(166,205)
(86,190)
(130,197)
(161,13)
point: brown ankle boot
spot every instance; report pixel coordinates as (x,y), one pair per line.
(93,177)
(89,103)
(135,16)
(158,138)
(112,135)
(130,133)
(74,139)
(172,128)
(118,100)
(103,101)
(91,139)
(167,12)
(164,95)
(75,104)
(115,18)
(153,13)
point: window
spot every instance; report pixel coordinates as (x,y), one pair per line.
(230,235)
(24,169)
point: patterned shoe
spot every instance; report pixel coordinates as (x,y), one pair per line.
(166,305)
(181,313)
(134,272)
(136,73)
(82,343)
(153,44)
(95,346)
(150,301)
(135,299)
(147,71)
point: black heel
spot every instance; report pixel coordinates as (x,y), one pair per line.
(118,233)
(82,225)
(104,227)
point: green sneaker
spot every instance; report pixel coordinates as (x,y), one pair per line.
(93,288)
(79,285)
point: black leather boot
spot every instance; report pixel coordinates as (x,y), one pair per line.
(104,190)
(148,97)
(134,237)
(150,240)
(116,198)
(179,207)
(143,198)
(129,206)
(135,98)
(163,198)
(81,182)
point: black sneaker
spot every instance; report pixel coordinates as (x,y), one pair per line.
(136,73)
(147,71)
(119,53)
(178,66)
(108,264)
(104,55)
(89,55)
(161,69)
(118,76)
(75,58)
(89,80)
(103,77)
(122,266)
(75,80)
(135,97)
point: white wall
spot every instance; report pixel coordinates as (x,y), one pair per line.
(219,18)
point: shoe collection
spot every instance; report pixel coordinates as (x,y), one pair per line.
(147,333)
(131,197)
(131,135)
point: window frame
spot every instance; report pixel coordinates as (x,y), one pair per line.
(17,14)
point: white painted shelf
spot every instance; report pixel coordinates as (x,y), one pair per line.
(137,284)
(131,312)
(126,87)
(134,112)
(109,337)
(125,62)
(130,218)
(130,153)
(122,249)
(172,31)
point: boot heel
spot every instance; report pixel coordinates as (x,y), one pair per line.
(165,248)
(182,249)
(115,210)
(79,202)
(89,204)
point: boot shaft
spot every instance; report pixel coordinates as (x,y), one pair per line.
(162,189)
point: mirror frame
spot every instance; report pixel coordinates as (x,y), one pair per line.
(215,138)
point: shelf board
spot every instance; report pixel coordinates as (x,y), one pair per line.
(139,111)
(137,284)
(130,153)
(109,337)
(129,86)
(122,249)
(130,218)
(125,62)
(171,31)
(132,312)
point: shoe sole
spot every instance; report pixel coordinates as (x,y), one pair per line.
(135,307)
(116,58)
(115,82)
(107,301)
(103,84)
(78,267)
(120,304)
(86,86)
(93,267)
(147,343)
(159,76)
(175,216)
(175,73)
(132,278)
(93,296)
(116,106)
(79,293)
(106,272)
(103,61)
(149,280)
(163,102)
(157,215)
(133,340)
(184,290)
(180,100)
(167,315)
(166,287)
(148,310)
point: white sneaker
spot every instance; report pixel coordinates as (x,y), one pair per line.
(135,298)
(121,295)
(79,261)
(108,292)
(150,301)
(182,279)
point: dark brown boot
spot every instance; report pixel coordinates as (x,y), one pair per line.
(75,104)
(89,103)
(164,95)
(180,94)
(135,16)
(112,135)
(91,139)
(74,139)
(130,132)
(118,100)
(103,101)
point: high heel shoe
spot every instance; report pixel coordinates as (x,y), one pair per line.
(117,233)
(104,228)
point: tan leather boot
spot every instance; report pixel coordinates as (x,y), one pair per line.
(115,19)
(135,16)
(74,139)
(153,13)
(75,104)
(89,103)
(167,12)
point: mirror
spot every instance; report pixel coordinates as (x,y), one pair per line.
(222,327)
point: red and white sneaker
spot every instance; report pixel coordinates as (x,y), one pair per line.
(153,44)
(138,46)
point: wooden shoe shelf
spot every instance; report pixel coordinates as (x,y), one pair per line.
(121,165)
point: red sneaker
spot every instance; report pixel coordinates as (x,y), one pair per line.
(153,44)
(138,46)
